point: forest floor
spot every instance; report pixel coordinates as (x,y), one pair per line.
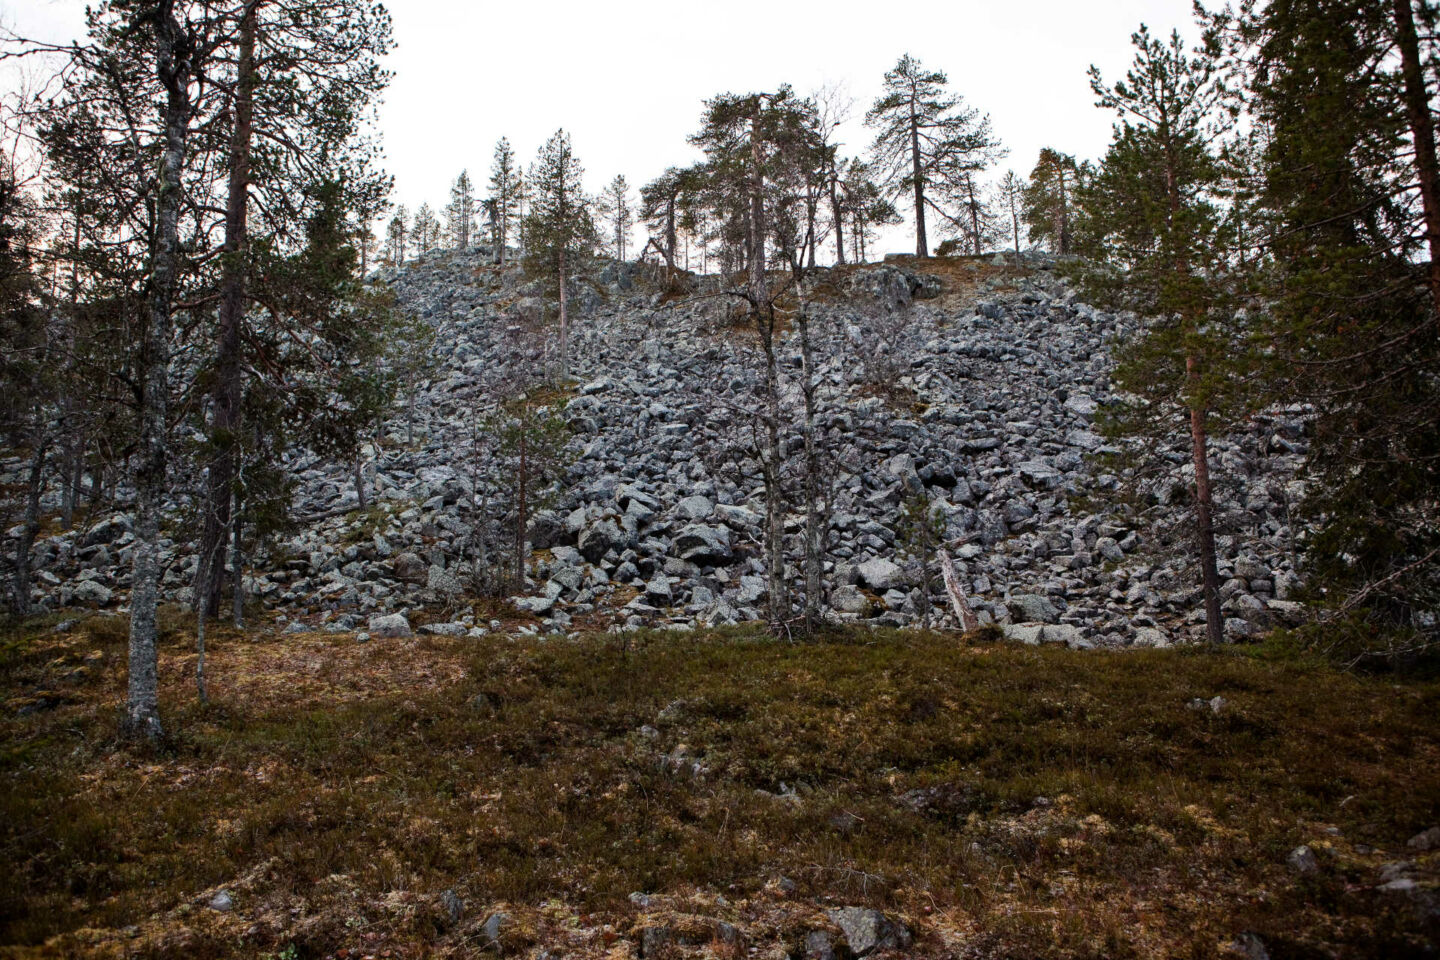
(711,794)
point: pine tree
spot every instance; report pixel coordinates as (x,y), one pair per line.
(1346,285)
(27,381)
(926,142)
(759,148)
(1151,213)
(661,201)
(460,213)
(560,231)
(304,73)
(504,199)
(1049,200)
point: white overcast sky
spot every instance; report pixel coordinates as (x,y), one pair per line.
(627,79)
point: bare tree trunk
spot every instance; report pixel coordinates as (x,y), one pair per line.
(758,291)
(1063,227)
(1204,517)
(359,481)
(200,688)
(974,214)
(237,565)
(71,423)
(764,313)
(564,322)
(774,495)
(173,64)
(922,247)
(814,518)
(30,527)
(838,218)
(1015,225)
(968,621)
(670,241)
(521,509)
(1422,131)
(74,474)
(812,207)
(229,389)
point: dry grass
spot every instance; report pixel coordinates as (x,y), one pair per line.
(1005,802)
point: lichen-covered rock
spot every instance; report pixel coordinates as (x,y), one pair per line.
(390,625)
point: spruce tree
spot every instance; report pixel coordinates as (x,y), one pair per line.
(560,230)
(426,230)
(396,235)
(460,213)
(504,199)
(615,201)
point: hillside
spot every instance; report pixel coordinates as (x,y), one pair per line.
(969,383)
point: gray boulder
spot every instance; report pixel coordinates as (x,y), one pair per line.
(695,508)
(847,598)
(90,592)
(390,625)
(599,539)
(409,567)
(1026,633)
(881,574)
(867,930)
(703,544)
(1033,607)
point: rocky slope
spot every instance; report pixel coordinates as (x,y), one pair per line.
(972,384)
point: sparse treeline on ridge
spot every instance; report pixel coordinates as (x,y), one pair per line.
(192,299)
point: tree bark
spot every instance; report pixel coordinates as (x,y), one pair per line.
(838,218)
(1204,516)
(968,621)
(30,527)
(758,291)
(237,566)
(142,708)
(771,467)
(1422,130)
(1015,226)
(922,247)
(764,313)
(229,385)
(74,474)
(564,321)
(670,240)
(522,508)
(814,519)
(1062,228)
(359,482)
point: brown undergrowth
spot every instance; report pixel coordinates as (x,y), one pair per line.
(1001,801)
